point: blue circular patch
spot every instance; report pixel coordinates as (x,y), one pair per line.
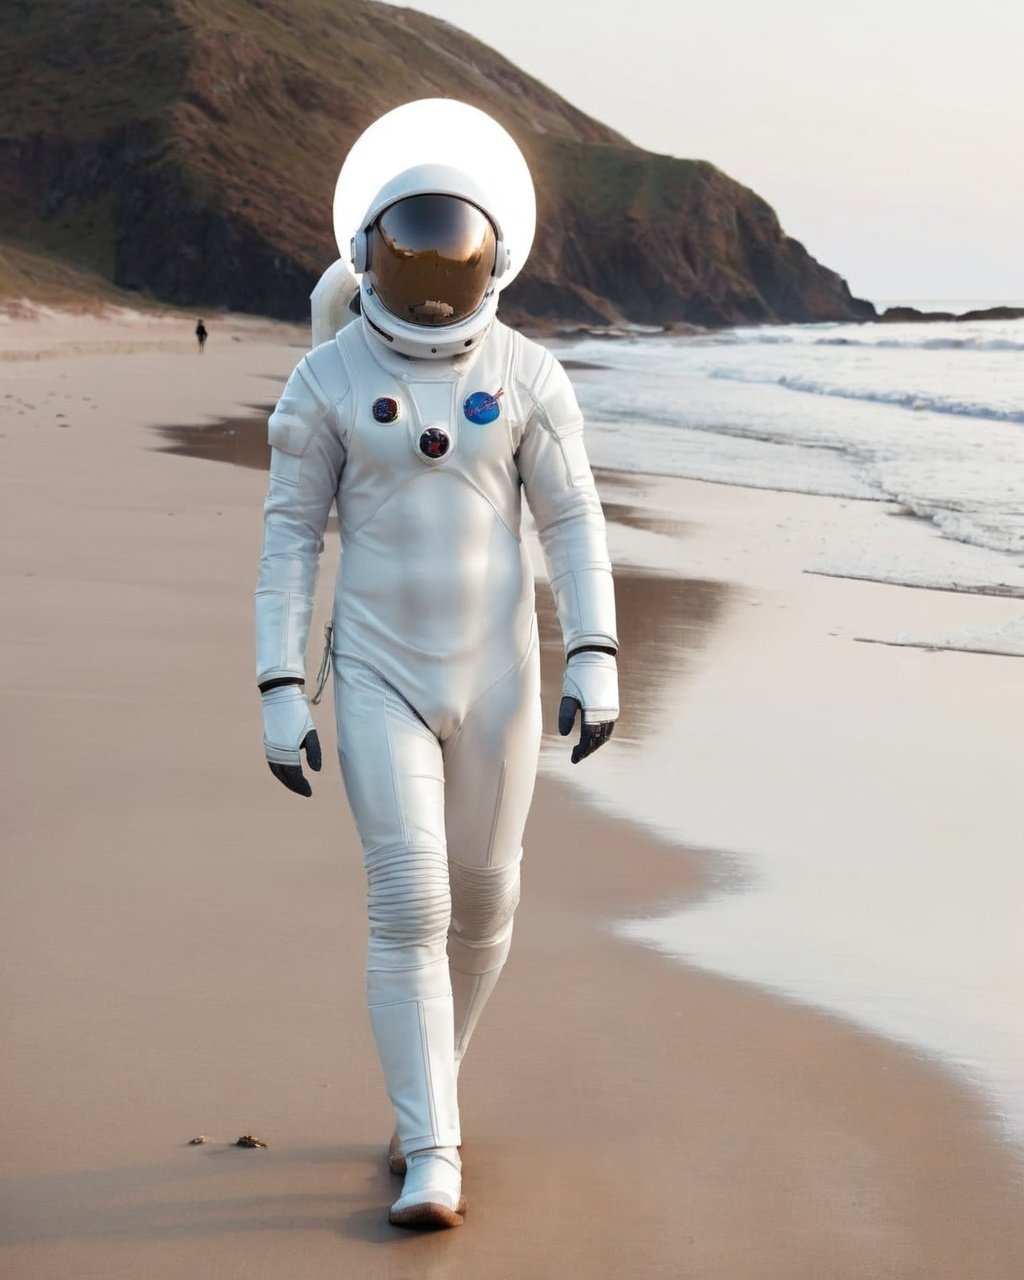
(385,409)
(481,407)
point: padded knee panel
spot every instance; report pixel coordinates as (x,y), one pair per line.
(408,896)
(484,900)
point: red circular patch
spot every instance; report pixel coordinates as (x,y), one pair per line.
(434,442)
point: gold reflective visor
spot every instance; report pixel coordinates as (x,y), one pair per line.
(431,259)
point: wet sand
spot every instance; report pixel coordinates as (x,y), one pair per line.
(183,939)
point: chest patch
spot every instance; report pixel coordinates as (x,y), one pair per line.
(385,409)
(434,443)
(482,407)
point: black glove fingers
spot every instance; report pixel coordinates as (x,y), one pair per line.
(585,746)
(311,745)
(292,777)
(592,736)
(568,709)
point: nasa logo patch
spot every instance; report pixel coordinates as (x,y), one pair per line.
(481,407)
(385,409)
(434,443)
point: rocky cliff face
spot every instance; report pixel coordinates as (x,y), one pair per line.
(190,151)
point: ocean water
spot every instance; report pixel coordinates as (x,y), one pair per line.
(882,879)
(930,416)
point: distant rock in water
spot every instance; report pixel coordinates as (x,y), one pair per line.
(189,152)
(911,315)
(994,313)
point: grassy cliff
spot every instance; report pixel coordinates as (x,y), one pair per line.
(189,151)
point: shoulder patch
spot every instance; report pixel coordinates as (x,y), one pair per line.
(298,413)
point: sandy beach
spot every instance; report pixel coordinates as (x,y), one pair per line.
(182,938)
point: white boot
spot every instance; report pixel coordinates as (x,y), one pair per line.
(396,1156)
(432,1191)
(415,1043)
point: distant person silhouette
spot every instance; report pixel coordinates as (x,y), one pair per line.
(201,335)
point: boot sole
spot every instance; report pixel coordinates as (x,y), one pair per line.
(429,1216)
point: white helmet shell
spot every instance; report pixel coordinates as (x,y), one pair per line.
(436,146)
(331,302)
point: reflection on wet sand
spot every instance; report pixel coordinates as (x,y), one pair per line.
(629,480)
(242,441)
(662,622)
(574,366)
(650,522)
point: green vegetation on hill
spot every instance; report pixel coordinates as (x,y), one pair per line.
(189,151)
(82,67)
(44,279)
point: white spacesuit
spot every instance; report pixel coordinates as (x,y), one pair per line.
(426,421)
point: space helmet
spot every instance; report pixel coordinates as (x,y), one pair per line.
(438,238)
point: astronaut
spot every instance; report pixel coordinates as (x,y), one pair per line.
(426,422)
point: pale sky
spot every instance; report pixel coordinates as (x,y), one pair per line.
(888,135)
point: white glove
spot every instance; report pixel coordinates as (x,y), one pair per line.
(287,727)
(591,686)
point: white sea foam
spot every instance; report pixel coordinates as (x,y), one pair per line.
(927,415)
(916,399)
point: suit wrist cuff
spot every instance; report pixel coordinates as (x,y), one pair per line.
(591,648)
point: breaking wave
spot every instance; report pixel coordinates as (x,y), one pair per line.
(917,400)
